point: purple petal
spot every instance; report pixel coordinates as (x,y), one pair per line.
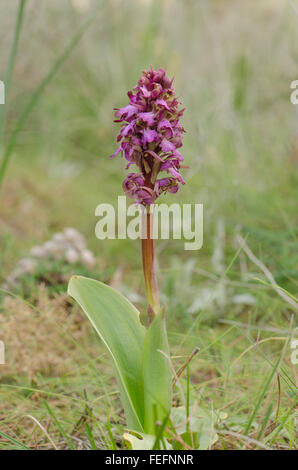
(147,117)
(167,146)
(176,175)
(156,92)
(132,184)
(164,124)
(162,182)
(127,129)
(149,135)
(178,155)
(162,103)
(173,189)
(126,112)
(145,92)
(145,196)
(116,153)
(166,184)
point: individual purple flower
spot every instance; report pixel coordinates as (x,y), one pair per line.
(132,183)
(167,146)
(166,184)
(150,135)
(126,113)
(147,117)
(134,187)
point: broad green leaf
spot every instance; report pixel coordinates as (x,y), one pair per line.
(157,375)
(117,323)
(201,427)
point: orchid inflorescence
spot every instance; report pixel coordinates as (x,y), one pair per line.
(150,136)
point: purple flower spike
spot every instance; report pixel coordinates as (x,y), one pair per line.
(150,135)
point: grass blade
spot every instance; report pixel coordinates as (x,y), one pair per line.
(90,437)
(272,436)
(265,421)
(11,61)
(113,442)
(59,427)
(14,441)
(38,92)
(262,394)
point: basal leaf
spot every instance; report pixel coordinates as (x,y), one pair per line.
(200,427)
(117,323)
(157,375)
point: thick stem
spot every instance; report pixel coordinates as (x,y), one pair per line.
(149,265)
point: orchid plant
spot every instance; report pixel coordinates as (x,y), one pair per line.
(150,136)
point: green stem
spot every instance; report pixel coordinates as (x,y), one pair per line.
(149,264)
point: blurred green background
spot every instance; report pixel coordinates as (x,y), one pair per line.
(233,64)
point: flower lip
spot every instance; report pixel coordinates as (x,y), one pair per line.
(167,146)
(147,117)
(149,135)
(126,112)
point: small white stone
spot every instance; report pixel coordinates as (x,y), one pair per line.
(88,258)
(37,251)
(71,255)
(246,299)
(27,265)
(49,247)
(59,238)
(73,236)
(71,233)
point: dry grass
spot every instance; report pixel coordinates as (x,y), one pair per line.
(41,339)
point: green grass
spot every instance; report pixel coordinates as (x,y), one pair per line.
(233,65)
